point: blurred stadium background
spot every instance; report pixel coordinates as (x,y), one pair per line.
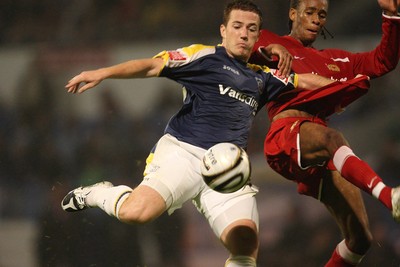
(51,142)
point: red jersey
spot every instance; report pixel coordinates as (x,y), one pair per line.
(339,65)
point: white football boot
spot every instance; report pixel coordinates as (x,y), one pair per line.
(396,204)
(75,200)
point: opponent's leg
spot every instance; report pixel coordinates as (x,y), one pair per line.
(360,174)
(321,144)
(344,201)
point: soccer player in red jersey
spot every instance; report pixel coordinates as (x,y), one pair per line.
(299,144)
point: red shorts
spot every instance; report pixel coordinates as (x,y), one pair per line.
(282,151)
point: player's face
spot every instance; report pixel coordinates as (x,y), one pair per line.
(240,33)
(308,20)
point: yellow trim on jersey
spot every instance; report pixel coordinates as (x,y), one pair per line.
(187,55)
(149,159)
(164,56)
(196,48)
(256,67)
(293,78)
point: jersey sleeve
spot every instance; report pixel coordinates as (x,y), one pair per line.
(385,57)
(276,85)
(182,56)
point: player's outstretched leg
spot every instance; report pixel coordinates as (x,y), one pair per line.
(75,200)
(103,195)
(396,204)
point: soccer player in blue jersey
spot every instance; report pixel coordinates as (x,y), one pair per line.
(222,94)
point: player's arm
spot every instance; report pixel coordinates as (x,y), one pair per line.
(141,68)
(312,81)
(385,57)
(284,57)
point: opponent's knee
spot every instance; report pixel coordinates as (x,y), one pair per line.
(333,140)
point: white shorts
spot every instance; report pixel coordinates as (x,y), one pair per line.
(173,170)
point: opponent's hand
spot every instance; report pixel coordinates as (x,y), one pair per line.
(90,78)
(285,58)
(389,7)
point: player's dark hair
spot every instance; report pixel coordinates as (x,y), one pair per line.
(245,5)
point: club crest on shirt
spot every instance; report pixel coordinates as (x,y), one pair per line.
(260,84)
(333,67)
(176,55)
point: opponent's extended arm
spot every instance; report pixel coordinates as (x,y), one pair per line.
(312,81)
(141,68)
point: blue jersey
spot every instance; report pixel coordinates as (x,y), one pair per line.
(221,94)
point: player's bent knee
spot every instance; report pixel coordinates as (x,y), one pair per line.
(241,238)
(334,137)
(333,140)
(142,206)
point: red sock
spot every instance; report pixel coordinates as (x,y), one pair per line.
(337,261)
(361,175)
(342,256)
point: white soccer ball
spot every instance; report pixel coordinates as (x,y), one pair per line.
(226,167)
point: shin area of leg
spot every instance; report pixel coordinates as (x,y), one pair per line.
(345,203)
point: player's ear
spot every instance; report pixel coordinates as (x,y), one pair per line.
(222,30)
(292,14)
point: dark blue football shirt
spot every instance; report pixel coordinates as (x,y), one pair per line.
(221,94)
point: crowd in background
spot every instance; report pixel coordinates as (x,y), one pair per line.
(75,22)
(43,153)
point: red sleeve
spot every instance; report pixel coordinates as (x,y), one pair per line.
(323,101)
(385,57)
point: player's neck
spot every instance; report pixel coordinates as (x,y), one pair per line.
(304,43)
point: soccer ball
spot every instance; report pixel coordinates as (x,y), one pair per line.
(226,167)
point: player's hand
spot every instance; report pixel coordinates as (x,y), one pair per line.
(389,7)
(89,78)
(285,58)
